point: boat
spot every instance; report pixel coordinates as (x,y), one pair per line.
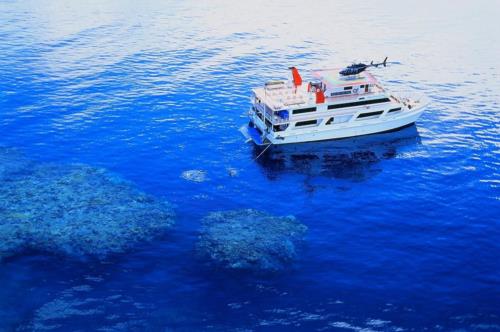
(334,104)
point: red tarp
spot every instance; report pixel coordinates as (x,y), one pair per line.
(320,97)
(297,80)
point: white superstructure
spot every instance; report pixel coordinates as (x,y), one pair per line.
(330,106)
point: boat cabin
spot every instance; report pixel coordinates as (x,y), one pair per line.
(279,103)
(337,85)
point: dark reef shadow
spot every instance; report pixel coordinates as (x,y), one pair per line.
(347,159)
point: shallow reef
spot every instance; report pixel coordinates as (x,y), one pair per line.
(75,210)
(250,240)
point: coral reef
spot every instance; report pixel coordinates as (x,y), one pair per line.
(250,240)
(75,210)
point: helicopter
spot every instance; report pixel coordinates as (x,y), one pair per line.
(357,68)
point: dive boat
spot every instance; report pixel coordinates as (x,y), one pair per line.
(335,103)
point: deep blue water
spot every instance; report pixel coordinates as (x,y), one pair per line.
(404,232)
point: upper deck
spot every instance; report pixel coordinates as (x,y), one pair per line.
(278,95)
(284,96)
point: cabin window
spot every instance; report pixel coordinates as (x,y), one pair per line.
(360,103)
(305,123)
(364,115)
(281,127)
(362,86)
(348,88)
(394,110)
(259,114)
(330,121)
(340,93)
(304,110)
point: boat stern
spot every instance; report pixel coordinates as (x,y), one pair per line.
(252,134)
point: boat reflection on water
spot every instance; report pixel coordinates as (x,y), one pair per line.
(352,159)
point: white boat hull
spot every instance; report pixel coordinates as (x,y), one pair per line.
(351,129)
(344,130)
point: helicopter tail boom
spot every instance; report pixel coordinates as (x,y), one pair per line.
(383,63)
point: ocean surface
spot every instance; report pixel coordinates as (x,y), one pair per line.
(404,228)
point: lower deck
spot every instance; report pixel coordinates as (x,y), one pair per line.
(339,124)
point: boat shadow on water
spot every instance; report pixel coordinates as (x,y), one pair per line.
(351,159)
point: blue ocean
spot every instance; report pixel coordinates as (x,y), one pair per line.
(144,99)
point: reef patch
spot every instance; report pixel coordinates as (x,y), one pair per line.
(75,210)
(250,240)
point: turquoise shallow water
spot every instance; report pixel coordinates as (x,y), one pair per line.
(403,227)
